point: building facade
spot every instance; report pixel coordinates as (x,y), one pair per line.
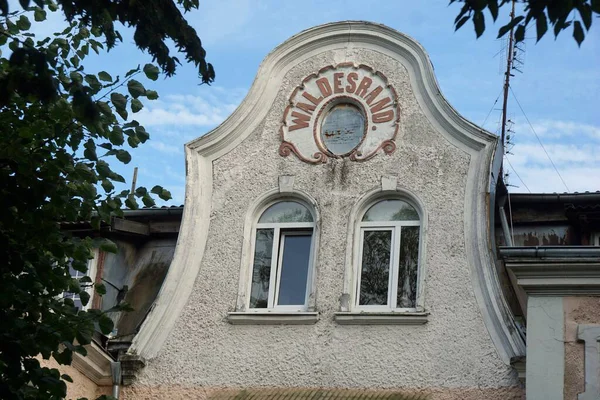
(345,236)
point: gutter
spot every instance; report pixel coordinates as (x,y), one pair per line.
(555,197)
(147,212)
(550,252)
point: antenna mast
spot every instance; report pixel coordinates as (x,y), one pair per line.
(509,66)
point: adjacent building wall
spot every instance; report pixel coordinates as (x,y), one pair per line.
(577,310)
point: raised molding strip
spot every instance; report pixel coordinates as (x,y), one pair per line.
(391,318)
(590,334)
(95,366)
(272,318)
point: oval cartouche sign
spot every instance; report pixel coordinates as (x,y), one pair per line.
(343,111)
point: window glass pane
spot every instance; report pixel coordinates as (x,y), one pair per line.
(375,270)
(286,211)
(294,269)
(261,273)
(407,272)
(391,210)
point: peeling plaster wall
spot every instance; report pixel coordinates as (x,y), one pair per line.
(578,310)
(82,386)
(453,350)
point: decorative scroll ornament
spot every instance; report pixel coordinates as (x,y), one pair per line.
(342,111)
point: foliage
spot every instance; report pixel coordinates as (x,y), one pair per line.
(59,127)
(155,21)
(559,14)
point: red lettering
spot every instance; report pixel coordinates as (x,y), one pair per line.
(308,108)
(311,98)
(352,77)
(373,95)
(381,104)
(324,87)
(385,116)
(363,86)
(301,121)
(337,82)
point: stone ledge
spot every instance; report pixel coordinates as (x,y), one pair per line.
(387,318)
(272,318)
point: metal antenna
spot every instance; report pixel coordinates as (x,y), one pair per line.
(507,74)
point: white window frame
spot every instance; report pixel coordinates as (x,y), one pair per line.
(396,228)
(92,266)
(277,255)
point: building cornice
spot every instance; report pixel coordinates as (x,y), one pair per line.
(555,271)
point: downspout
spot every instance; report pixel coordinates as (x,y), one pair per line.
(504,223)
(115,370)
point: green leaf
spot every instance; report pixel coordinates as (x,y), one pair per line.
(131,203)
(493,7)
(520,33)
(123,156)
(84,297)
(136,89)
(105,108)
(578,32)
(23,23)
(479,23)
(65,376)
(39,14)
(161,192)
(133,141)
(151,71)
(100,288)
(136,105)
(105,324)
(461,22)
(502,31)
(141,134)
(541,25)
(118,100)
(116,136)
(585,10)
(141,191)
(148,201)
(107,185)
(151,94)
(104,76)
(108,246)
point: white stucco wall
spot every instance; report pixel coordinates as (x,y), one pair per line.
(453,349)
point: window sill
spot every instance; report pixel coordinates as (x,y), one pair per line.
(381,318)
(272,318)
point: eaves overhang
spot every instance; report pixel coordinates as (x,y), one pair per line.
(555,270)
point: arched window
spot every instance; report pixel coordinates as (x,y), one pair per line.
(282,264)
(388,262)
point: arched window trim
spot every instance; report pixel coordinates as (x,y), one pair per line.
(353,263)
(255,211)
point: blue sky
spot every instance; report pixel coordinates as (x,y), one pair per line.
(559,88)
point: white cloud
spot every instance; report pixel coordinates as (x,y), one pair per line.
(574,149)
(559,129)
(207,109)
(165,148)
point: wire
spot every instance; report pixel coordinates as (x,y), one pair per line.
(515,171)
(538,138)
(492,109)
